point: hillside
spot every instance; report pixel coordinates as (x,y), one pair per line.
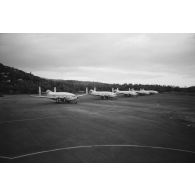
(14,81)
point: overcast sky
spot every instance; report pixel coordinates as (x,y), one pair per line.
(114,58)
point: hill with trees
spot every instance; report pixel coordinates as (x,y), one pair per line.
(14,81)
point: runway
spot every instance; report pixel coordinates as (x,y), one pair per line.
(157,128)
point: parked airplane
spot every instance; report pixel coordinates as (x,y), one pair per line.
(153,92)
(126,93)
(146,92)
(64,97)
(103,94)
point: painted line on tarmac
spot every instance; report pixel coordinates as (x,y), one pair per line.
(60,116)
(6,157)
(30,119)
(92,146)
(6,99)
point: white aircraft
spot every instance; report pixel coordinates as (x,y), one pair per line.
(146,92)
(64,97)
(153,92)
(126,93)
(103,94)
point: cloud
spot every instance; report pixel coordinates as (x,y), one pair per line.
(143,58)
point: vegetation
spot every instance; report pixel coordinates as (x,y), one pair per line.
(14,81)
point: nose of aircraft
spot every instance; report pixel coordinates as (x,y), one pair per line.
(90,91)
(72,97)
(114,94)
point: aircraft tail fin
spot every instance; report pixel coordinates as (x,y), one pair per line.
(86,90)
(116,90)
(39,91)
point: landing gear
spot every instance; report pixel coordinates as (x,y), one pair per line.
(74,101)
(105,97)
(60,100)
(64,100)
(57,100)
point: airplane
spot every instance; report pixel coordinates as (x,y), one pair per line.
(146,92)
(64,97)
(103,94)
(126,93)
(153,92)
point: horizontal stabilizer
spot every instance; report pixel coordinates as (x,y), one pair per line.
(39,96)
(81,95)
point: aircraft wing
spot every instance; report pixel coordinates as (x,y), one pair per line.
(101,95)
(81,95)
